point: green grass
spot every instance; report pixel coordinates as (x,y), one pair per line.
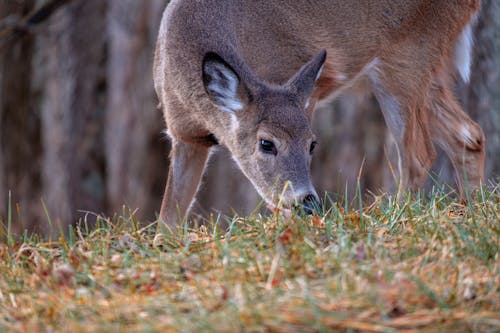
(419,264)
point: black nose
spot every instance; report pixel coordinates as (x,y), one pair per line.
(310,204)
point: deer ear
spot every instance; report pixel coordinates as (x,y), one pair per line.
(303,82)
(222,84)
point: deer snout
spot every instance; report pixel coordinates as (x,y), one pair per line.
(311,204)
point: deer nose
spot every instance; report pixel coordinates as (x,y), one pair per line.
(311,204)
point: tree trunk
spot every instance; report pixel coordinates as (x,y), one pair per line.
(20,147)
(135,148)
(69,77)
(482,97)
(351,135)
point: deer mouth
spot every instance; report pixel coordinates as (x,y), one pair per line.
(309,208)
(287,212)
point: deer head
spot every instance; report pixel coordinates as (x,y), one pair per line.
(270,136)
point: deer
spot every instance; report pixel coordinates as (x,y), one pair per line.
(248,75)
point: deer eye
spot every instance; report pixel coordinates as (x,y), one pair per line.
(267,147)
(313,145)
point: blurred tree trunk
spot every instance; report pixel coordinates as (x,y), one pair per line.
(136,153)
(482,96)
(69,78)
(79,128)
(20,147)
(351,135)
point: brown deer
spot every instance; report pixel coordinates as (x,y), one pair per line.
(248,74)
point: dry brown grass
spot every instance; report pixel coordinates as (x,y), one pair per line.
(412,265)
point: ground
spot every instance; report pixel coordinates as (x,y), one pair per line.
(412,264)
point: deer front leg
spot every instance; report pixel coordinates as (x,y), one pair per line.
(187,163)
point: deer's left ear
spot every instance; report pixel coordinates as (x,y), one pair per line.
(223,84)
(303,82)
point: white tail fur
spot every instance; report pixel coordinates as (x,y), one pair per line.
(463,51)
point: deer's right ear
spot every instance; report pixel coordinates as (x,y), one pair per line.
(222,84)
(303,82)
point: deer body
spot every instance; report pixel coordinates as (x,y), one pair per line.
(248,74)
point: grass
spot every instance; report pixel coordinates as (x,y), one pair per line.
(419,264)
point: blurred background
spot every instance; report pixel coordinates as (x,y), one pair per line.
(80,132)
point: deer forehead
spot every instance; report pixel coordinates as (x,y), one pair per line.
(288,119)
(286,130)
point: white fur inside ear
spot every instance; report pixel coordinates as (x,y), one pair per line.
(223,87)
(308,101)
(318,75)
